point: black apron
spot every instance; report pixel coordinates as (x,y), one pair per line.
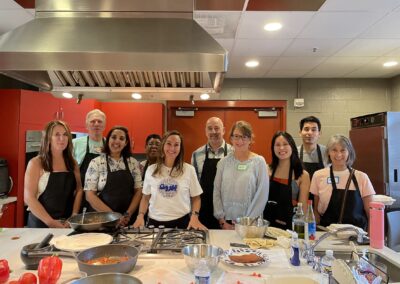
(86,161)
(311,168)
(119,189)
(57,199)
(206,215)
(279,208)
(353,209)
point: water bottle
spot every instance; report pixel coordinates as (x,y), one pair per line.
(326,263)
(202,273)
(311,226)
(298,221)
(376,231)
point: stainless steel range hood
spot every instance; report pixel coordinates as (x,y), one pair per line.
(108,47)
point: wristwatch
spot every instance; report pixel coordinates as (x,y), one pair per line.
(196,213)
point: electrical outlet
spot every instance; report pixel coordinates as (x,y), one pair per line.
(299,102)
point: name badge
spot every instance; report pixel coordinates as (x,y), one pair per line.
(242,167)
(329,181)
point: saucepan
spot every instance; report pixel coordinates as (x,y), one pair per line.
(107,278)
(95,221)
(108,258)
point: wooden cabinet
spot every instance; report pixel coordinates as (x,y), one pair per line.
(141,119)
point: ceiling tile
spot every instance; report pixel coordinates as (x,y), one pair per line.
(359,5)
(388,27)
(324,47)
(294,63)
(337,67)
(252,24)
(286,73)
(339,24)
(237,68)
(374,69)
(13,18)
(284,5)
(218,24)
(255,47)
(369,47)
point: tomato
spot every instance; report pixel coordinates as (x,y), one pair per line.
(4,271)
(14,282)
(27,278)
(49,270)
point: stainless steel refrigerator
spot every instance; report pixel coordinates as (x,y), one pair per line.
(376,139)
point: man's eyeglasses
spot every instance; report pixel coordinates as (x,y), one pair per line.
(240,137)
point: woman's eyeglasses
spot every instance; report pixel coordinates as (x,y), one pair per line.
(240,137)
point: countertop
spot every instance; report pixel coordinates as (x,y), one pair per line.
(174,270)
(7,200)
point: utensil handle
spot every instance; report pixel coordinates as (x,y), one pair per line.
(45,241)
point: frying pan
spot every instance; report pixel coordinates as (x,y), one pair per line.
(95,221)
(108,251)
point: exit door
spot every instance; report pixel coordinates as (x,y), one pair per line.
(193,127)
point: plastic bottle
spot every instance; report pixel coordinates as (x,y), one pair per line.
(202,273)
(326,263)
(298,221)
(311,226)
(376,231)
(294,250)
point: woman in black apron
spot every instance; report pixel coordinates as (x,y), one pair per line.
(113,180)
(52,189)
(284,191)
(342,195)
(171,188)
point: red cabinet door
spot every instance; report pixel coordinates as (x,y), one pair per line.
(38,108)
(75,114)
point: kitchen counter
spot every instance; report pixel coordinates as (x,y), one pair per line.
(8,200)
(171,270)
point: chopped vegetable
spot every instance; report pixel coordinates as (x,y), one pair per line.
(49,270)
(4,271)
(27,278)
(107,260)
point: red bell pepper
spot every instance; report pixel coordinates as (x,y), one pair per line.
(49,270)
(4,271)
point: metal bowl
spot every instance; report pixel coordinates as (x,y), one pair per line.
(245,230)
(107,278)
(194,253)
(108,251)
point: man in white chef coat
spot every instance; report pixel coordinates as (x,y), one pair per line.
(205,160)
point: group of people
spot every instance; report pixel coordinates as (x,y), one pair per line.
(224,181)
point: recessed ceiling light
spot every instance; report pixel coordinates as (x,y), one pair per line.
(273,27)
(390,63)
(252,63)
(204,96)
(67,95)
(136,96)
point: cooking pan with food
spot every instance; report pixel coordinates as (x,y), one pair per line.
(95,221)
(108,258)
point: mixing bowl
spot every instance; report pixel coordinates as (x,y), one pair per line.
(194,253)
(247,227)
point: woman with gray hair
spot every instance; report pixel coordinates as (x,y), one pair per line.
(342,194)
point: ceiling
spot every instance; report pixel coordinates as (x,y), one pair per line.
(341,39)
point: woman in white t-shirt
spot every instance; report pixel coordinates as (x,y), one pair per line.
(171,190)
(332,204)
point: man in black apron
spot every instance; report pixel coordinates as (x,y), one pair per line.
(205,160)
(89,147)
(311,153)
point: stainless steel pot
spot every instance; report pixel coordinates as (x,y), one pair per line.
(108,251)
(95,221)
(107,278)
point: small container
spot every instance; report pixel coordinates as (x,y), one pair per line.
(294,250)
(377,224)
(326,263)
(202,273)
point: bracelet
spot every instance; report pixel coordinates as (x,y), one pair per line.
(196,213)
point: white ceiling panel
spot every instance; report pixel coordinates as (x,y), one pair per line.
(11,19)
(388,27)
(257,47)
(252,24)
(237,68)
(339,24)
(286,73)
(294,63)
(323,47)
(369,47)
(360,5)
(374,69)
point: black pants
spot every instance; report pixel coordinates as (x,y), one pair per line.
(180,223)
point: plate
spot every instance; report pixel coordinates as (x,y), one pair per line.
(240,251)
(80,242)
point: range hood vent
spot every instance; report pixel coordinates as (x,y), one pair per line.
(124,47)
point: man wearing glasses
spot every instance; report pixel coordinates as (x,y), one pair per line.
(153,142)
(205,160)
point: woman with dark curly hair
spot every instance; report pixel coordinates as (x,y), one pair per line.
(289,182)
(52,188)
(113,181)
